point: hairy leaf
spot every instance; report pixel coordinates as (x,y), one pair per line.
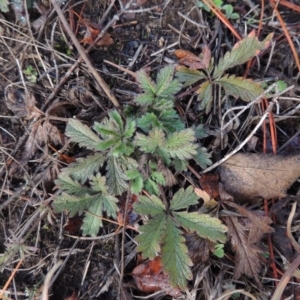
(205,96)
(116,177)
(92,220)
(151,235)
(81,134)
(175,256)
(149,206)
(67,184)
(151,187)
(204,225)
(148,121)
(184,198)
(146,83)
(84,167)
(246,89)
(73,204)
(200,131)
(180,144)
(189,76)
(202,158)
(144,99)
(241,53)
(150,143)
(164,77)
(158,177)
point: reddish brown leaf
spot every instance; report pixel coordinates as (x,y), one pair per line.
(210,184)
(73,224)
(193,61)
(149,277)
(252,177)
(247,255)
(92,31)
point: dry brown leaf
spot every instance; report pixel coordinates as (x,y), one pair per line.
(199,248)
(149,277)
(247,257)
(193,61)
(210,184)
(251,177)
(22,104)
(258,225)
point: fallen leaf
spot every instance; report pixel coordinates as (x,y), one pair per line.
(247,255)
(92,31)
(199,248)
(258,223)
(22,104)
(73,224)
(252,177)
(149,277)
(210,184)
(193,61)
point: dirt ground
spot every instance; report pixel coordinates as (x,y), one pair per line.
(40,90)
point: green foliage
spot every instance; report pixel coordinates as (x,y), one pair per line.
(237,87)
(4,6)
(164,232)
(90,185)
(31,74)
(227,8)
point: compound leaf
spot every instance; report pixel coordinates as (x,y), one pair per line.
(67,184)
(92,220)
(150,143)
(203,224)
(205,96)
(175,258)
(189,76)
(202,158)
(164,77)
(81,134)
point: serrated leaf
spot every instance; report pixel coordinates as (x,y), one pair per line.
(174,87)
(205,96)
(117,119)
(148,121)
(202,158)
(137,185)
(151,187)
(241,53)
(109,204)
(180,144)
(107,144)
(200,131)
(81,134)
(164,77)
(149,206)
(144,99)
(246,89)
(204,225)
(73,204)
(92,221)
(150,143)
(98,183)
(104,131)
(171,121)
(130,128)
(180,165)
(158,177)
(188,76)
(184,198)
(83,168)
(175,257)
(67,184)
(146,83)
(116,177)
(151,236)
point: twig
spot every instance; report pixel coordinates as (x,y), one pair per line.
(84,56)
(288,228)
